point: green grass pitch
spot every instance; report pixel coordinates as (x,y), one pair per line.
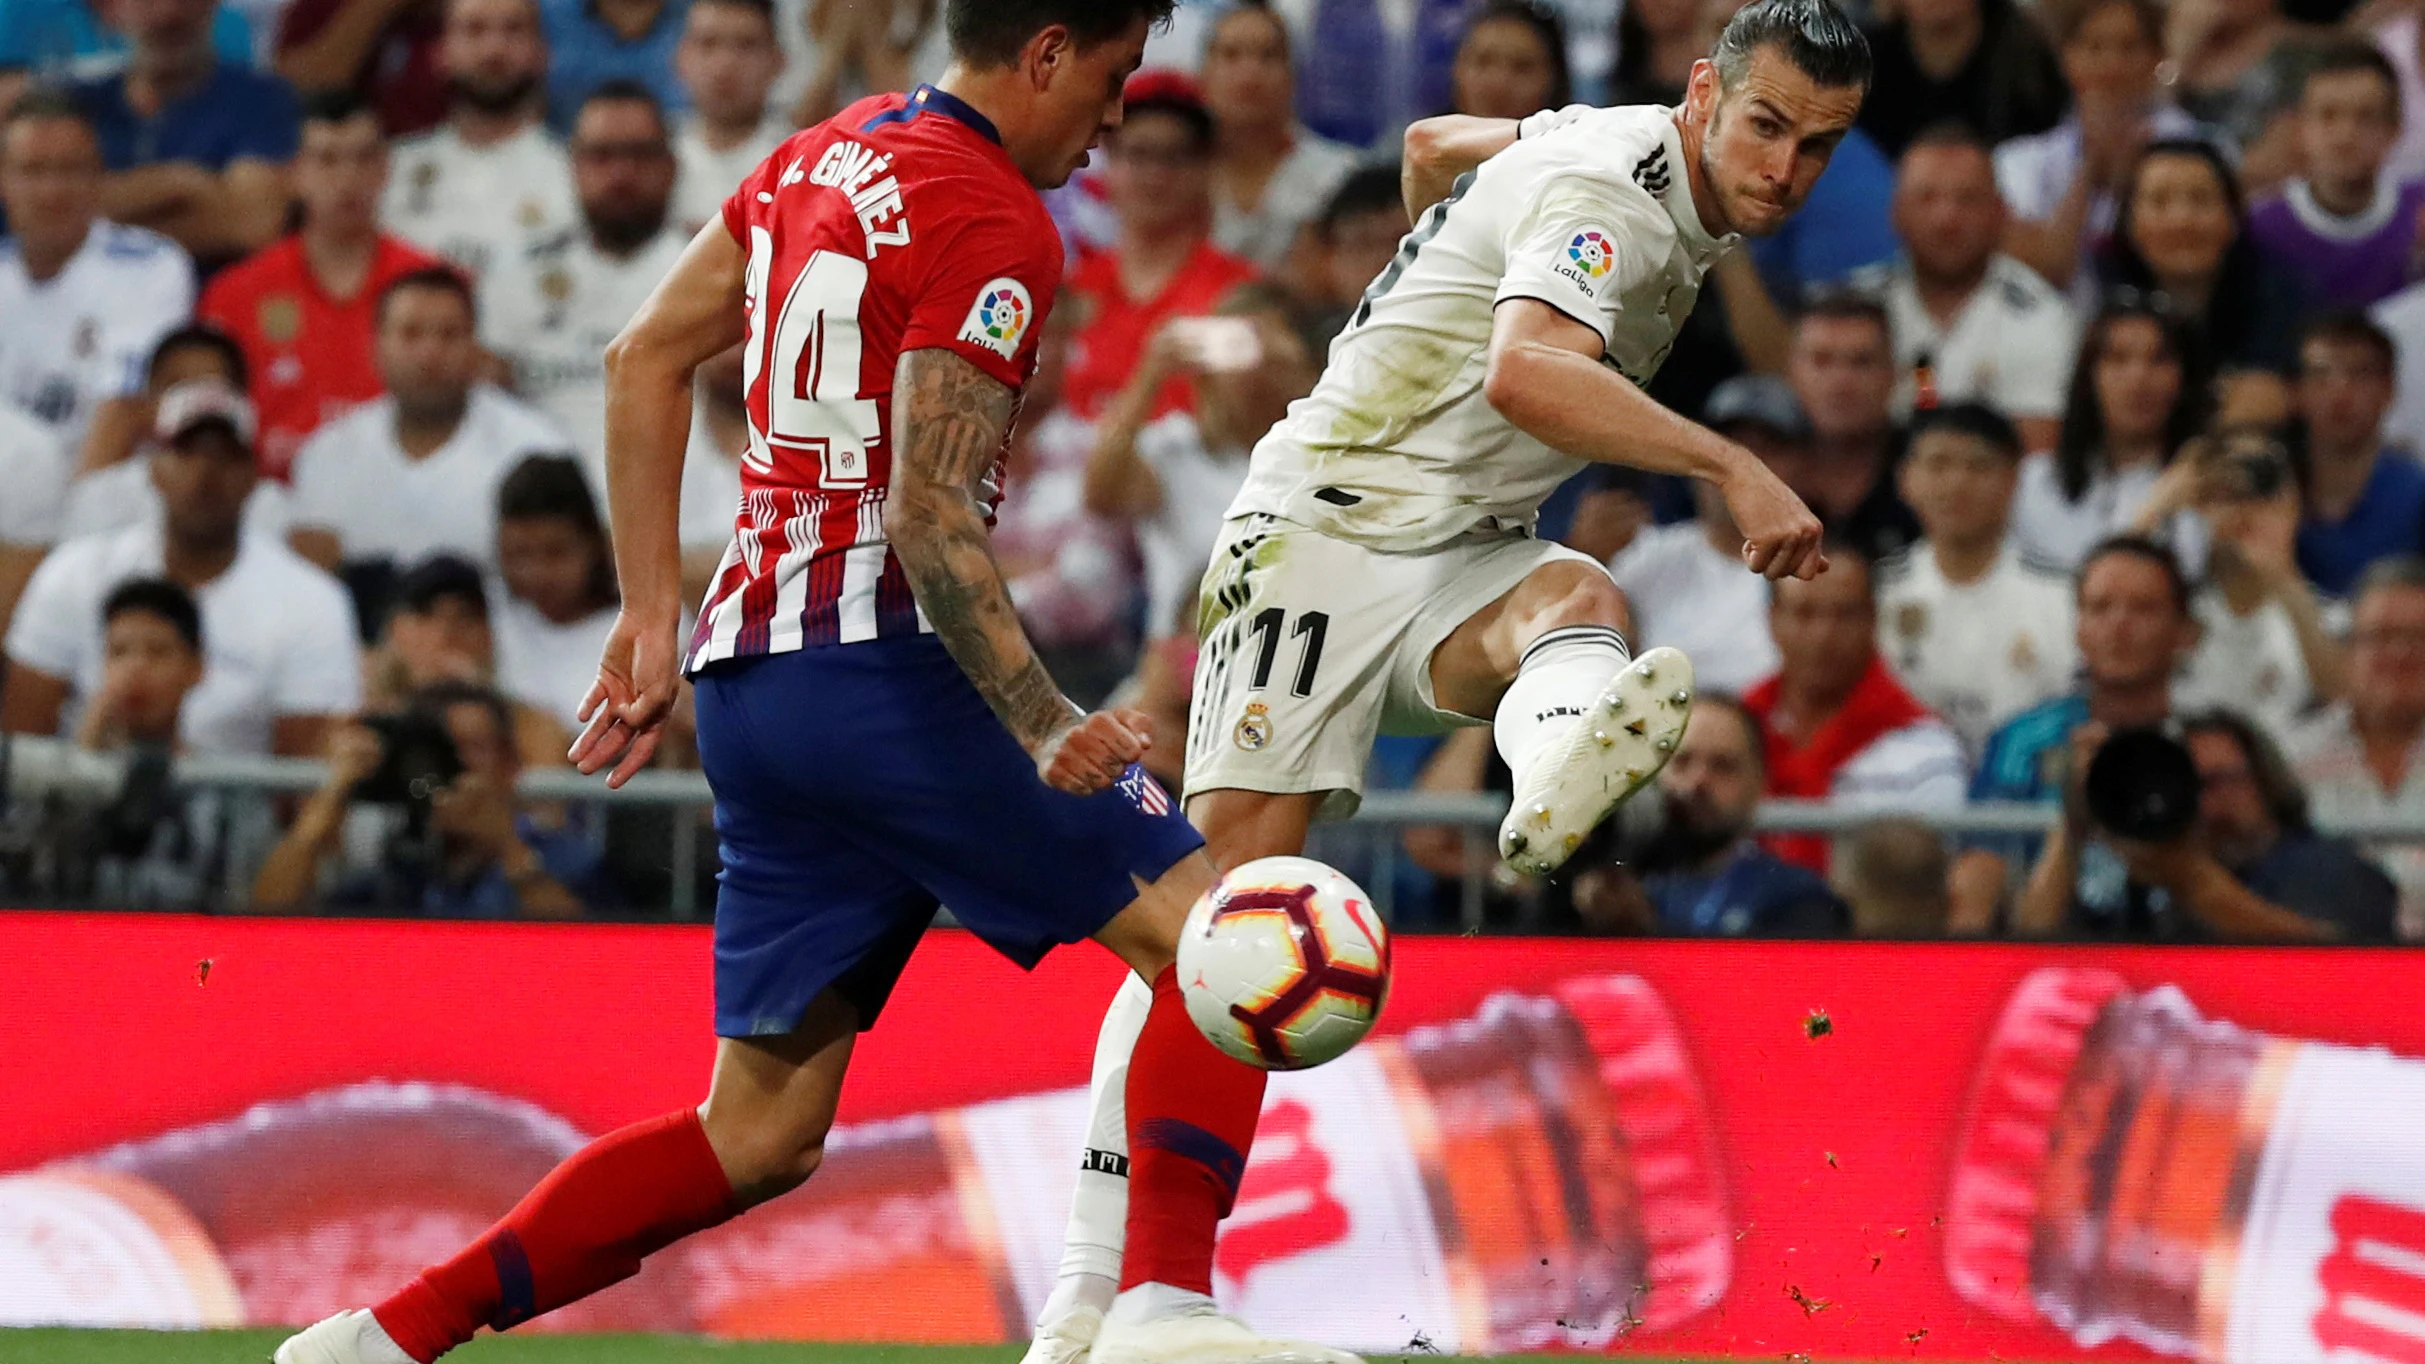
(253,1347)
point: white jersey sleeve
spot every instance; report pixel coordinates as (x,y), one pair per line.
(56,624)
(1582,244)
(318,673)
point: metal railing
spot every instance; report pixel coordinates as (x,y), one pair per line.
(1371,842)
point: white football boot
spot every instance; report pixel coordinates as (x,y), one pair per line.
(354,1337)
(1065,1341)
(1613,750)
(1202,1335)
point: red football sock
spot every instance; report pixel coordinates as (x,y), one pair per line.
(1191,1121)
(586,1226)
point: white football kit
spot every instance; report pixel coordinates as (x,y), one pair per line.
(1395,502)
(479,206)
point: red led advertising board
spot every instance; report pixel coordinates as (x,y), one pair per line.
(1839,1150)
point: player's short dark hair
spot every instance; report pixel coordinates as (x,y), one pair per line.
(202,336)
(442,577)
(1978,421)
(2145,550)
(1820,40)
(438,279)
(2348,327)
(336,106)
(1846,305)
(156,597)
(436,699)
(993,32)
(624,90)
(2348,55)
(1367,189)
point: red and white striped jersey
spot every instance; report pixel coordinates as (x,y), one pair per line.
(899,224)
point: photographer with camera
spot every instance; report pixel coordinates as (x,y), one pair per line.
(2263,648)
(2204,836)
(465,850)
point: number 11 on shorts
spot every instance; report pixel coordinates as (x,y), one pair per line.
(1267,628)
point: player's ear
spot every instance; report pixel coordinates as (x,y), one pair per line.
(1047,55)
(1701,91)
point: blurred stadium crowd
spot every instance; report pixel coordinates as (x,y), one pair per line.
(2098,349)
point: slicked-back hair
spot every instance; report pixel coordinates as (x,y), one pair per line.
(993,32)
(1820,40)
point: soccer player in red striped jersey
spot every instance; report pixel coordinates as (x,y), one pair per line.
(879,732)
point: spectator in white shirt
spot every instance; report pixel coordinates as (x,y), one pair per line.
(1271,174)
(280,663)
(1173,477)
(84,298)
(1971,324)
(728,60)
(2365,758)
(2139,391)
(1975,631)
(115,485)
(559,598)
(33,470)
(1687,582)
(415,471)
(492,178)
(551,316)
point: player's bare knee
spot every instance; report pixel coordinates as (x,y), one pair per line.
(1567,593)
(763,1159)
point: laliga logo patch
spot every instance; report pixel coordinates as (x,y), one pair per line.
(1000,317)
(1592,253)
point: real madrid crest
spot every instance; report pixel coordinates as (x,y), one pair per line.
(1911,619)
(1254,727)
(556,287)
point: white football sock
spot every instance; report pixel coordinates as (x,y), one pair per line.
(1556,681)
(1154,1301)
(1098,1211)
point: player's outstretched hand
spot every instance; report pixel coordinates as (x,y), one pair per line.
(1780,535)
(1092,751)
(639,673)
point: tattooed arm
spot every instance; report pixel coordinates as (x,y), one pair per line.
(949,422)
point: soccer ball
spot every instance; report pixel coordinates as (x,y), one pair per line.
(1284,963)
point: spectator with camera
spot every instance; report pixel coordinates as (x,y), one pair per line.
(2134,629)
(1172,477)
(2359,759)
(279,662)
(1839,727)
(2264,648)
(1975,629)
(2198,838)
(465,849)
(1699,872)
(438,630)
(416,471)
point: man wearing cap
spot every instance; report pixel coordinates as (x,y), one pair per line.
(278,659)
(1164,265)
(1686,581)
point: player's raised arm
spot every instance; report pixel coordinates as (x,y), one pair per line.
(696,311)
(1546,378)
(1445,146)
(949,422)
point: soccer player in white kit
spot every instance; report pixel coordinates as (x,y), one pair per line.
(1379,569)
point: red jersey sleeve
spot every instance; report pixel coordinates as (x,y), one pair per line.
(991,274)
(741,206)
